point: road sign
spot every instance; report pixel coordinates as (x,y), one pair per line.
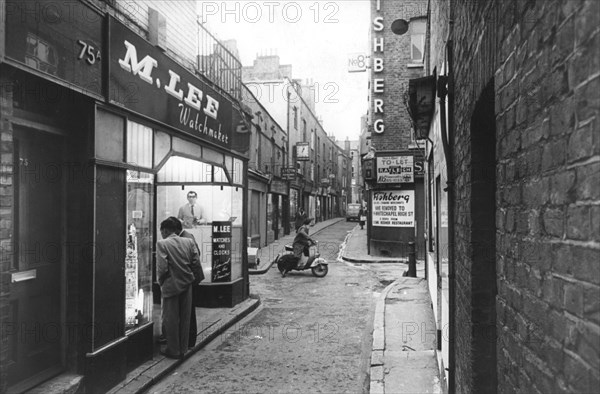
(357,62)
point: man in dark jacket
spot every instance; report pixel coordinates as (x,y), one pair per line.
(193,324)
(302,242)
(176,258)
(300,218)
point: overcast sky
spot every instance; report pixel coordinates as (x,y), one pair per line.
(315,37)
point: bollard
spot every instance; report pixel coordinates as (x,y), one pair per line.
(412,260)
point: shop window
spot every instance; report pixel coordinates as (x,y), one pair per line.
(109,136)
(139,241)
(41,55)
(212,156)
(181,169)
(238,169)
(139,145)
(162,146)
(215,203)
(417,40)
(254,228)
(220,175)
(184,147)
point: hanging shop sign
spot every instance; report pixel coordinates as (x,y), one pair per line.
(221,251)
(395,169)
(61,40)
(278,186)
(421,101)
(288,173)
(302,151)
(393,208)
(145,80)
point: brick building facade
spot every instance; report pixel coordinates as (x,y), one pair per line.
(395,59)
(322,181)
(523,192)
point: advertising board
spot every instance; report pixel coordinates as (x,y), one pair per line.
(393,208)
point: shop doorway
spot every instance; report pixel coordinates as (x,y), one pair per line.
(276,212)
(35,340)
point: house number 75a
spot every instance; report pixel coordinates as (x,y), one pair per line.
(91,54)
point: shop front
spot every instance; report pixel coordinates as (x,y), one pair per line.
(258,186)
(278,189)
(102,152)
(295,204)
(333,203)
(308,200)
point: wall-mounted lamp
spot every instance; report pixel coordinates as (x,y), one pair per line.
(399,27)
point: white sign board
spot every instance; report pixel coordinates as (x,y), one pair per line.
(357,62)
(395,169)
(393,208)
(302,151)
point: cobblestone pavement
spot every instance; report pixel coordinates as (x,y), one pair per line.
(309,335)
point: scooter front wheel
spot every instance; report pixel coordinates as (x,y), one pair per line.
(320,270)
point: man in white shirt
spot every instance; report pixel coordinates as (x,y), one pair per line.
(190,214)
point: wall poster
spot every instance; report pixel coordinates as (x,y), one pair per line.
(395,169)
(393,208)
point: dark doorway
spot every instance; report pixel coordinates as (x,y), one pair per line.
(483,241)
(35,342)
(276,212)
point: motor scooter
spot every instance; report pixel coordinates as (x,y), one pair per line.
(287,262)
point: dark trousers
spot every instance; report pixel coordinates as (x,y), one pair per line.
(193,323)
(176,315)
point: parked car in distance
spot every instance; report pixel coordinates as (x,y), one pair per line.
(352,212)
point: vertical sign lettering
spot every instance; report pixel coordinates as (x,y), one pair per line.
(221,251)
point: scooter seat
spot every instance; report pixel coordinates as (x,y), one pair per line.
(289,248)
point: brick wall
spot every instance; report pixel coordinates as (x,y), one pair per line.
(541,58)
(395,74)
(548,196)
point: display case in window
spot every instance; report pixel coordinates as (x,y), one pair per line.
(139,241)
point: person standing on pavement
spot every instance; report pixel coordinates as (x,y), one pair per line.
(193,324)
(300,218)
(176,260)
(362,217)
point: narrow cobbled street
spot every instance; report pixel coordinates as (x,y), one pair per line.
(310,334)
